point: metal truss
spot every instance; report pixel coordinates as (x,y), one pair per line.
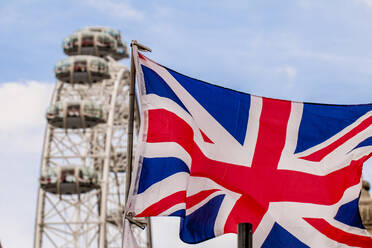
(95,218)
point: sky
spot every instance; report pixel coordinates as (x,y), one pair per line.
(303,50)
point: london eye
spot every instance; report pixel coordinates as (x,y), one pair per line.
(82,180)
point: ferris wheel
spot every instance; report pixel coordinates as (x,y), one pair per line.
(83,169)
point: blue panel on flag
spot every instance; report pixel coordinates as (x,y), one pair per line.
(158,86)
(179,213)
(199,225)
(281,238)
(349,214)
(320,122)
(156,169)
(366,142)
(230,108)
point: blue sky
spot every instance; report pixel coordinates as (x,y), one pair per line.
(305,50)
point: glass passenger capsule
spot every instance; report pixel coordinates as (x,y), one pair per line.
(69,179)
(90,43)
(122,50)
(82,69)
(73,115)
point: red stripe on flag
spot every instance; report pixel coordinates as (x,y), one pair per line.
(326,190)
(246,209)
(141,56)
(271,134)
(270,143)
(319,155)
(338,235)
(205,137)
(165,126)
(200,196)
(164,204)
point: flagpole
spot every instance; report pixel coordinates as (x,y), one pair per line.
(135,46)
(131,120)
(244,235)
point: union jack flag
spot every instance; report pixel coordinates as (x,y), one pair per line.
(217,157)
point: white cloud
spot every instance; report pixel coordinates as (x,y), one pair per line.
(22,123)
(366,2)
(11,231)
(22,108)
(287,70)
(23,105)
(121,10)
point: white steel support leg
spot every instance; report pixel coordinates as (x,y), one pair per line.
(41,194)
(39,219)
(106,165)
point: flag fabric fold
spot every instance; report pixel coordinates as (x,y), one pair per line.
(217,157)
(129,241)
